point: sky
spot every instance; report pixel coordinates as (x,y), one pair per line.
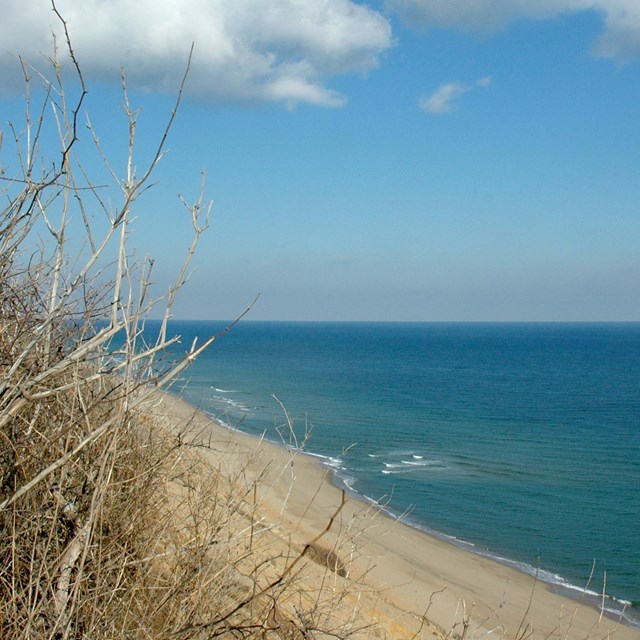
(401,160)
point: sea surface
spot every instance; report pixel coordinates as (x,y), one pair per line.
(517,441)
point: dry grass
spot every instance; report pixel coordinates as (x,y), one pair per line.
(139,537)
(110,526)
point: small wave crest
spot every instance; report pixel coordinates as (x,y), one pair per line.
(229,403)
(339,472)
(424,463)
(417,464)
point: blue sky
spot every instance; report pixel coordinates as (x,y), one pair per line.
(399,160)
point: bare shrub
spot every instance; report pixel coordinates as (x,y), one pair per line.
(110,525)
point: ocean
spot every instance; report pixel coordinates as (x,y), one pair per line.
(517,441)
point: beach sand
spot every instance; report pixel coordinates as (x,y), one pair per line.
(403,580)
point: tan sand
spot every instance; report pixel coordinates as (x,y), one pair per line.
(400,573)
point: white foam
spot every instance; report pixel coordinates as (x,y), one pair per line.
(415,464)
(224,424)
(421,463)
(234,404)
(334,463)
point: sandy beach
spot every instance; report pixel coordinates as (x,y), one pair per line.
(408,583)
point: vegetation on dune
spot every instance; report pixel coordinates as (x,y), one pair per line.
(110,526)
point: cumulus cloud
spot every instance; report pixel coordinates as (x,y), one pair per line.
(445,99)
(245,50)
(621,18)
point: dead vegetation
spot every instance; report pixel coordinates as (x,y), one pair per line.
(111,527)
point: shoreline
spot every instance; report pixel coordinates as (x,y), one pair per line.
(555,583)
(409,568)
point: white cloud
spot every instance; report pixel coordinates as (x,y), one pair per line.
(445,98)
(247,50)
(621,36)
(619,39)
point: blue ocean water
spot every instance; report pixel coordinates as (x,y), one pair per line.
(521,440)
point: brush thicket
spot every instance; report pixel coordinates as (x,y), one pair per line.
(110,525)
